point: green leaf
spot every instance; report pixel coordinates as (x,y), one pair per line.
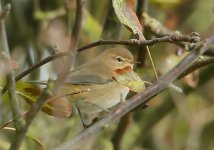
(126,15)
(58,107)
(131,80)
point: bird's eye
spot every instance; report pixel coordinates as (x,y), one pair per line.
(119,59)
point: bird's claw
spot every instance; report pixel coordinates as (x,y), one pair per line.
(135,41)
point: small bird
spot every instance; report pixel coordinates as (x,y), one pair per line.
(108,77)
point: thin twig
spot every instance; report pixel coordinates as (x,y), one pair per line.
(40,63)
(10,75)
(196,66)
(24,115)
(78,24)
(70,59)
(12,121)
(36,107)
(111,27)
(170,39)
(35,66)
(121,129)
(142,6)
(75,35)
(141,98)
(160,30)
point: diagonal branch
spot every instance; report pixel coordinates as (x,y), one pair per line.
(36,107)
(5,54)
(144,97)
(52,86)
(197,65)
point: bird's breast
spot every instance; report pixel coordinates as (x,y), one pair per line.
(124,70)
(102,97)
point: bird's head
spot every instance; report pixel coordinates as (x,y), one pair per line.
(118,63)
(118,60)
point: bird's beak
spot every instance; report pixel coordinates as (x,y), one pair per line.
(135,62)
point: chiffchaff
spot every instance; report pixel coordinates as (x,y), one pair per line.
(109,77)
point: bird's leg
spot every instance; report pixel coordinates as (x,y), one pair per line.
(122,98)
(135,41)
(144,106)
(141,107)
(81,118)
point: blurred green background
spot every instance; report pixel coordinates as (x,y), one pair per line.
(173,121)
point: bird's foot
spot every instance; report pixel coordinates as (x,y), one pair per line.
(93,122)
(135,41)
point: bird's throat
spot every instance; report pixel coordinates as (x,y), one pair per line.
(124,70)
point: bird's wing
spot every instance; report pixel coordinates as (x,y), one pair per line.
(88,73)
(79,79)
(86,78)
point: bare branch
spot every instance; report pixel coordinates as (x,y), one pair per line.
(160,30)
(170,39)
(142,98)
(36,107)
(70,59)
(10,75)
(196,66)
(78,24)
(121,128)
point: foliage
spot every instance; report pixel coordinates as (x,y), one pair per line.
(39,28)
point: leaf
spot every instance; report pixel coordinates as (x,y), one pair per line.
(57,107)
(131,80)
(126,15)
(37,142)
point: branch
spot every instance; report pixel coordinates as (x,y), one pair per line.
(120,131)
(36,107)
(69,61)
(111,27)
(197,65)
(142,6)
(78,24)
(142,98)
(10,74)
(170,39)
(160,30)
(35,66)
(51,87)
